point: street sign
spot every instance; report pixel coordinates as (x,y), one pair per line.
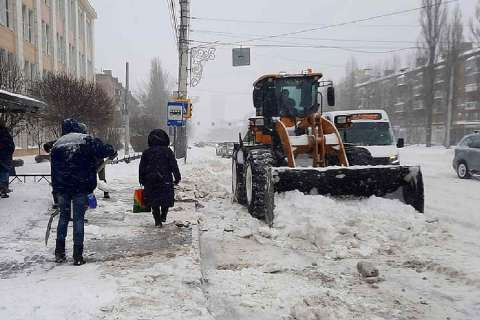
(176,110)
(241,57)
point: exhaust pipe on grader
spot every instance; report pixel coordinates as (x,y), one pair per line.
(290,146)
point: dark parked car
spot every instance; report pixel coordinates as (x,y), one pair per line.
(467,156)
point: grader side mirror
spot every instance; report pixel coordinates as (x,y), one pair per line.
(331,96)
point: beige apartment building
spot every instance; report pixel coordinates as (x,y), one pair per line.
(49,36)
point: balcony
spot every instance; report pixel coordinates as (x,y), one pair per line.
(472,87)
(439,80)
(399,106)
(471,105)
(418,105)
(439,95)
(401,81)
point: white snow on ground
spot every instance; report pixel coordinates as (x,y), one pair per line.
(231,266)
(133,270)
(305,267)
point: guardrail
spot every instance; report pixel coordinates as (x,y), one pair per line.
(37,177)
(126,159)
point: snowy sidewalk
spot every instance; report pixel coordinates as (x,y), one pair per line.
(133,271)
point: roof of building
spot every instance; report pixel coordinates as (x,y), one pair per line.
(467,54)
(89,8)
(17,103)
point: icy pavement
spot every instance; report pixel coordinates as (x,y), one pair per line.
(227,265)
(133,271)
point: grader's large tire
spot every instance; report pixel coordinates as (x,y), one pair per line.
(258,184)
(413,192)
(238,180)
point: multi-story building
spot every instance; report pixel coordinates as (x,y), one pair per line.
(402,96)
(49,36)
(116,91)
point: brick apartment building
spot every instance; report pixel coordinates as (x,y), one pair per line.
(49,35)
(402,96)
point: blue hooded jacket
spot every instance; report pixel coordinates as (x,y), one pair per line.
(74,157)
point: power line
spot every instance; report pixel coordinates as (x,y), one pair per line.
(173,19)
(237,35)
(340,24)
(293,23)
(286,45)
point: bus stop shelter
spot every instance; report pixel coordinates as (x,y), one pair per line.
(16,103)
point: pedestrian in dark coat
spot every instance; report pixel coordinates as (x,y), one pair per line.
(7,147)
(158,173)
(74,176)
(47,147)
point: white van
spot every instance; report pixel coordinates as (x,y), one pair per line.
(370,129)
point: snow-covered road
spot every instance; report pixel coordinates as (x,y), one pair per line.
(305,267)
(231,266)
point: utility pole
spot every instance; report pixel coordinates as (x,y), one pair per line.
(126,117)
(183,55)
(448,125)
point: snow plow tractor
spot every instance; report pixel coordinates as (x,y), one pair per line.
(290,146)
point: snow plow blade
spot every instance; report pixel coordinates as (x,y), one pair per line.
(395,182)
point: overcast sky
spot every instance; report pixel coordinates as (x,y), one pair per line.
(138,30)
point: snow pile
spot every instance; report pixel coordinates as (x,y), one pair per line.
(349,228)
(206,174)
(66,293)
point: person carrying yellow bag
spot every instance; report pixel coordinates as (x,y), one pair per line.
(158,173)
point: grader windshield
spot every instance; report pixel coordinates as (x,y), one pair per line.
(297,97)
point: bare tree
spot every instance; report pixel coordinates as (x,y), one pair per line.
(432,20)
(156,94)
(348,97)
(11,79)
(475,24)
(451,48)
(68,97)
(152,113)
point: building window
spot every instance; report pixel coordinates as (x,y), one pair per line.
(61,10)
(3,55)
(47,46)
(33,71)
(28,24)
(26,70)
(4,13)
(72,15)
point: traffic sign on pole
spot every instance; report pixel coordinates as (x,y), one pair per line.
(176,110)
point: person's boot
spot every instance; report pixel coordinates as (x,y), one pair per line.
(163,217)
(3,192)
(60,252)
(78,255)
(158,220)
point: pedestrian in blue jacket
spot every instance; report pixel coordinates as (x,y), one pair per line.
(74,176)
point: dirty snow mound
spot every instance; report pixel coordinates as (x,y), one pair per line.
(349,228)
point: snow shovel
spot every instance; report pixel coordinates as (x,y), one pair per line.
(54,213)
